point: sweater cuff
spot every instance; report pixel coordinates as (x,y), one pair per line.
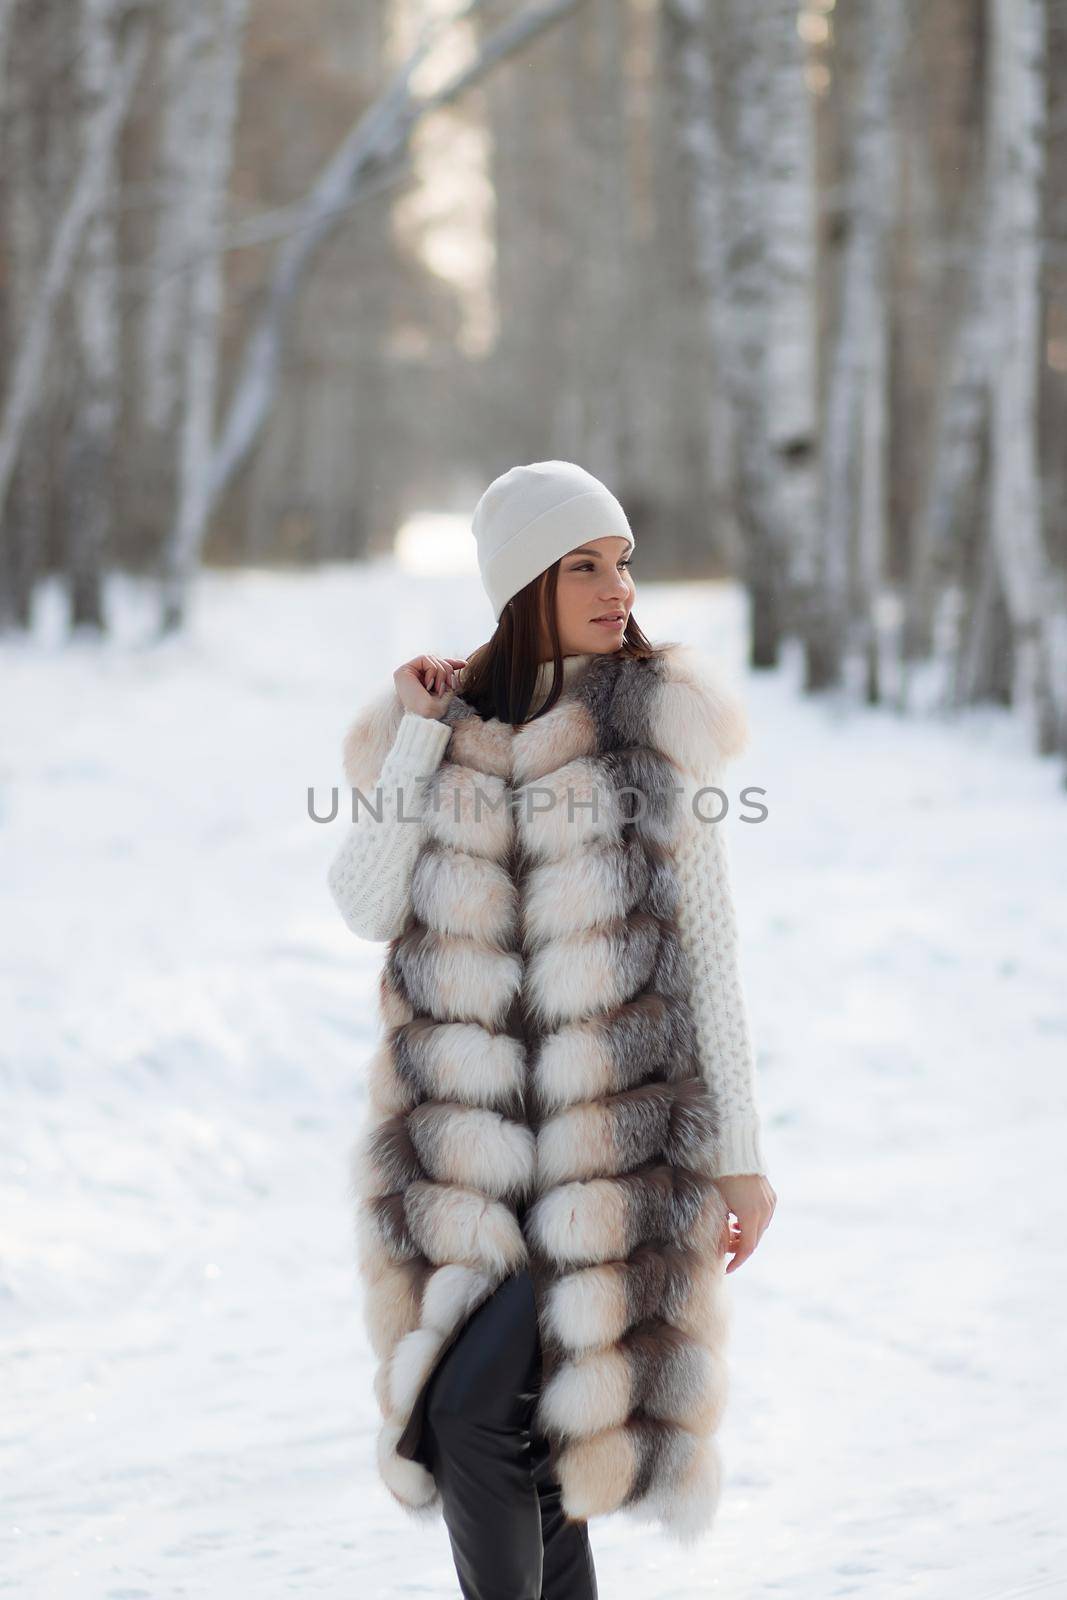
(420,743)
(740,1150)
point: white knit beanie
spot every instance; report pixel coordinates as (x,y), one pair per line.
(532,515)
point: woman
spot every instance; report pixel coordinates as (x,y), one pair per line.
(562,1114)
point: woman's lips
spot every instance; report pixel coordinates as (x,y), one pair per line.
(610,622)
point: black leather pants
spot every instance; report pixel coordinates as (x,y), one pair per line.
(510,1538)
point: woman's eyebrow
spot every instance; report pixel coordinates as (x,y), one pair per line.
(585,551)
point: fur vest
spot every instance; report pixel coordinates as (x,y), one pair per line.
(537,1101)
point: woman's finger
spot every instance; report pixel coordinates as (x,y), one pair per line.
(744,1239)
(435,674)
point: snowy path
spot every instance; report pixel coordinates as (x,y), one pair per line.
(183,1020)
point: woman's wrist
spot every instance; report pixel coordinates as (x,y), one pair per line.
(740,1148)
(421,739)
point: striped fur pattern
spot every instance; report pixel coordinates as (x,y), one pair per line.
(537,1101)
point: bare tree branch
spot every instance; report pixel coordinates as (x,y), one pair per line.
(378,140)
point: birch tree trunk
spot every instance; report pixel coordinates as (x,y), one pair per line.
(1016,154)
(769,341)
(188,30)
(983,665)
(943,371)
(852,489)
(695,92)
(7,11)
(530,149)
(762,535)
(28,59)
(205,113)
(598,234)
(792,317)
(957,442)
(89,457)
(27,372)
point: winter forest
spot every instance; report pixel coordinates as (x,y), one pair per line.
(791,277)
(284,284)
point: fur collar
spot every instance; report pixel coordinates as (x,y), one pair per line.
(699,720)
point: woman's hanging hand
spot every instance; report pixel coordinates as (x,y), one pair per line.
(752,1201)
(425,684)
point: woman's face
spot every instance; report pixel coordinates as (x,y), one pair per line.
(594,583)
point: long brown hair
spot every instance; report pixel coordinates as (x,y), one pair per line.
(500,675)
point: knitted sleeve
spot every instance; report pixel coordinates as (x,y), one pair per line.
(708,931)
(370,875)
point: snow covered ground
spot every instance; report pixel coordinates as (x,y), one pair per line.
(183,1023)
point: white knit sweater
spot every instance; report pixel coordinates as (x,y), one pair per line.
(370,877)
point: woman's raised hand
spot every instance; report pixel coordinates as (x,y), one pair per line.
(425,684)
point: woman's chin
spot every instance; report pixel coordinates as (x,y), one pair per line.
(599,639)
